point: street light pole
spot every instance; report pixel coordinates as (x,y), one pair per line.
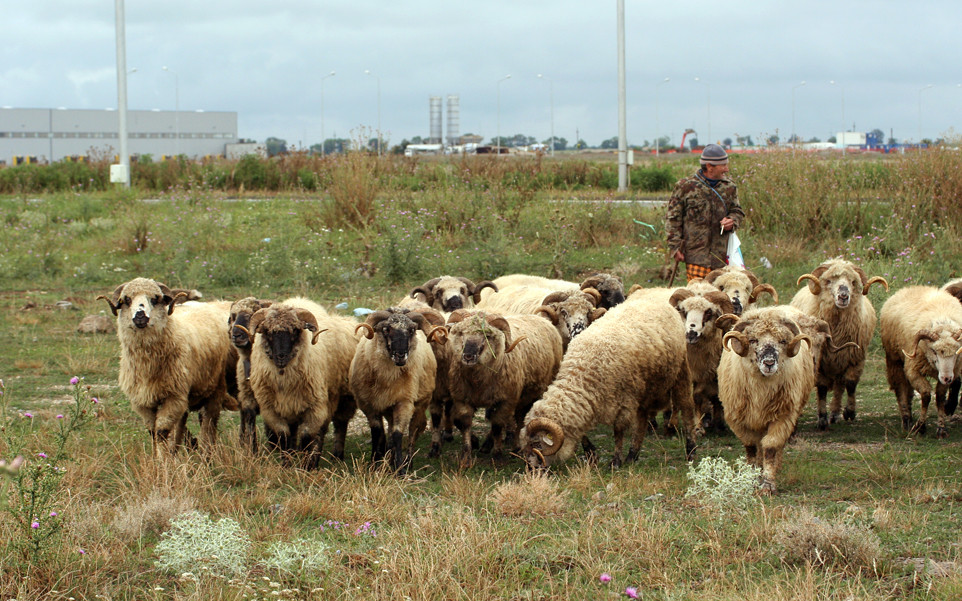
(622,104)
(378,77)
(331,74)
(551,97)
(657,132)
(119,32)
(920,115)
(794,135)
(505,78)
(708,95)
(176,111)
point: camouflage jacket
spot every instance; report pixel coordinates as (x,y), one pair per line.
(693,220)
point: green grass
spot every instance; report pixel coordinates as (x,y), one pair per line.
(484,532)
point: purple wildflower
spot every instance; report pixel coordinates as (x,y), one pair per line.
(74,380)
(631,592)
(605,577)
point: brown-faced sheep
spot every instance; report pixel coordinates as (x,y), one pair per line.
(610,286)
(741,285)
(837,293)
(241,312)
(953,287)
(571,311)
(501,364)
(448,293)
(764,378)
(392,377)
(704,337)
(300,361)
(630,359)
(171,362)
(921,330)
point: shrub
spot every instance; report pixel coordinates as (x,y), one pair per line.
(195,540)
(298,559)
(534,493)
(721,485)
(844,546)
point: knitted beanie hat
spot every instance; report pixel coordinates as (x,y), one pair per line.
(713,154)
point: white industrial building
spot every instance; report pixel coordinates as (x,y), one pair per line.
(46,135)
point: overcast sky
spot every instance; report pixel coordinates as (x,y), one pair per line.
(266,60)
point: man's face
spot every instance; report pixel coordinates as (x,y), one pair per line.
(716,171)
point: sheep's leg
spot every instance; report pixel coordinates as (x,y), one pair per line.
(895,373)
(169,426)
(310,444)
(926,398)
(447,421)
(377,437)
(403,413)
(346,408)
(209,415)
(638,437)
(849,413)
(821,392)
(416,427)
(751,455)
(718,415)
(771,462)
(462,415)
(940,392)
(773,446)
(591,451)
(952,402)
(838,389)
(248,429)
(436,415)
(681,400)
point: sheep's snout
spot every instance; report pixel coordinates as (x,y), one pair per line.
(575,329)
(842,297)
(281,349)
(471,352)
(613,298)
(453,303)
(767,359)
(691,335)
(239,337)
(737,305)
(141,319)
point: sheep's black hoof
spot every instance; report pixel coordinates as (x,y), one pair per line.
(919,427)
(486,446)
(767,488)
(670,430)
(706,423)
(435,450)
(615,462)
(690,450)
(631,457)
(447,435)
(836,417)
(823,421)
(940,432)
(475,443)
(906,423)
(849,415)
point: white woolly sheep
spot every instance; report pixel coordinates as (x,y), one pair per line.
(837,293)
(953,287)
(741,285)
(172,362)
(392,378)
(764,378)
(628,361)
(237,324)
(704,337)
(610,287)
(300,361)
(448,293)
(501,364)
(921,330)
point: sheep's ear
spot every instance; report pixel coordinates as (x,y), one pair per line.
(549,313)
(795,344)
(170,298)
(438,334)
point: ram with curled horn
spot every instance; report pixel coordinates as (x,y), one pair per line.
(837,293)
(741,285)
(449,293)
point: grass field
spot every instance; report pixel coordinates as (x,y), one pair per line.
(863,512)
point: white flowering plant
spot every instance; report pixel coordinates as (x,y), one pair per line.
(300,559)
(723,485)
(194,539)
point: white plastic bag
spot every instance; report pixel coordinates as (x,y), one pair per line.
(735,251)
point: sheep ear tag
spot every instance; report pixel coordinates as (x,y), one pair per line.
(547,440)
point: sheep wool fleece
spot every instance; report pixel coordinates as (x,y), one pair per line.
(693,217)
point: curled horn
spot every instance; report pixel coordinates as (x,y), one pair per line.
(835,349)
(169,297)
(722,301)
(459,315)
(255,322)
(310,323)
(714,275)
(796,343)
(954,288)
(741,343)
(250,335)
(592,281)
(875,280)
(115,303)
(921,335)
(814,286)
(635,288)
(368,330)
(592,294)
(596,313)
(496,321)
(726,321)
(547,434)
(549,313)
(557,297)
(757,290)
(477,288)
(679,295)
(431,316)
(752,278)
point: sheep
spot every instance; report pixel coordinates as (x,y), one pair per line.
(921,329)
(448,293)
(300,360)
(953,287)
(631,359)
(392,377)
(765,376)
(502,364)
(704,338)
(172,362)
(837,292)
(610,286)
(740,285)
(237,322)
(570,311)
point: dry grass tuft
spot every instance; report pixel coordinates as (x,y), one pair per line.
(150,515)
(535,493)
(843,546)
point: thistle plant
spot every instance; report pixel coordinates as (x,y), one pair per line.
(298,559)
(722,485)
(219,548)
(36,494)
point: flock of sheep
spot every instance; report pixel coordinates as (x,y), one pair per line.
(547,360)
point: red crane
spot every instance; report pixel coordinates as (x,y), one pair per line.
(683,136)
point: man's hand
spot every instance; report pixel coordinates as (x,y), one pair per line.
(727,224)
(680,256)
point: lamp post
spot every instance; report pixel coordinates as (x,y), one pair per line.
(505,78)
(708,95)
(176,111)
(920,115)
(551,97)
(832,82)
(331,74)
(794,135)
(657,132)
(378,77)
(121,43)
